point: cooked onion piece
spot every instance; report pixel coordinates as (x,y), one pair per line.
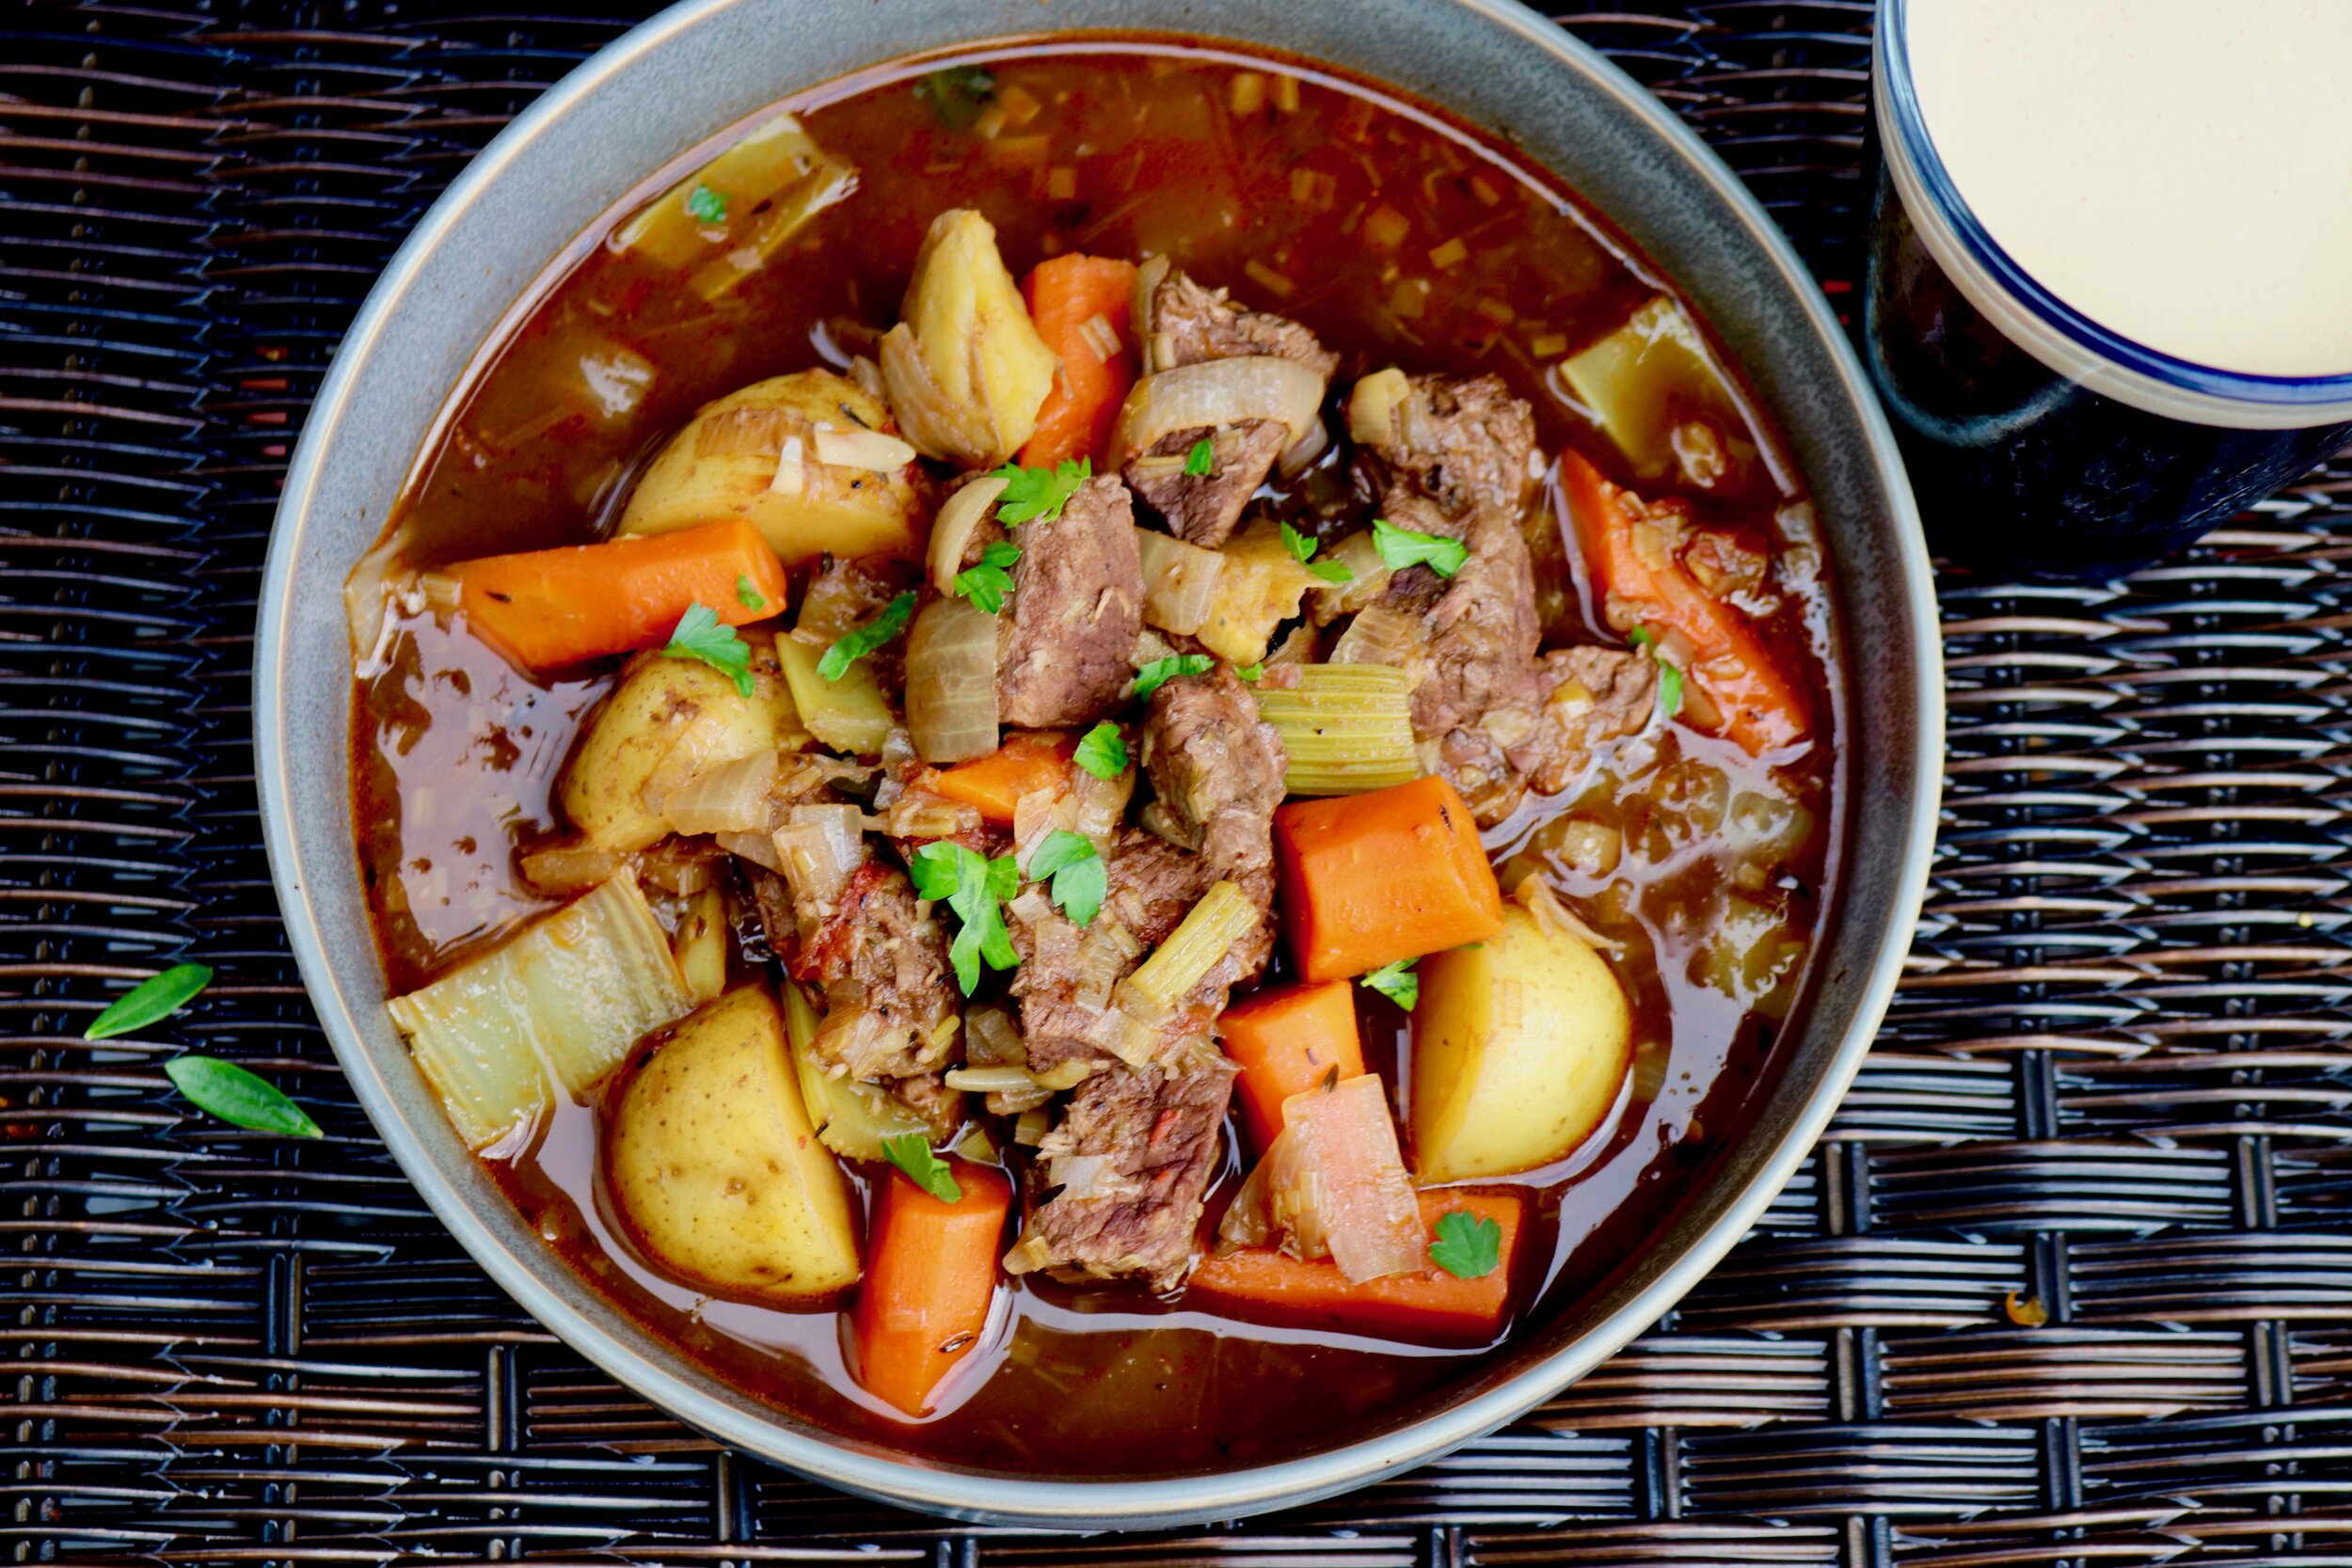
(952,681)
(1217,392)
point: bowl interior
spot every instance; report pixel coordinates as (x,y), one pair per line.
(699,68)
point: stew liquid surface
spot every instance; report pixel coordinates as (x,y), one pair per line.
(1398,238)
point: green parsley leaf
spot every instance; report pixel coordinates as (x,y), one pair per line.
(1331,571)
(856,644)
(700,635)
(1303,549)
(1080,877)
(912,1153)
(1161,670)
(1468,1246)
(1201,460)
(1032,494)
(1301,546)
(1252,673)
(957,95)
(1396,981)
(973,886)
(1640,637)
(1102,751)
(746,595)
(707,205)
(1402,547)
(158,996)
(987,584)
(226,1090)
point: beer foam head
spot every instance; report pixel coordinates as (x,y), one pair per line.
(2175,170)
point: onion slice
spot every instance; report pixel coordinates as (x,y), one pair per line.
(1215,392)
(952,681)
(951,530)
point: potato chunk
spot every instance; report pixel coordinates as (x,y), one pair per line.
(1520,1046)
(665,719)
(810,459)
(714,1166)
(965,369)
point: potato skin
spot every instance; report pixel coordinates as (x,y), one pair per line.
(660,704)
(714,1168)
(722,463)
(1520,1045)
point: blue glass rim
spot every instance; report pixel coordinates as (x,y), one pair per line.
(1901,108)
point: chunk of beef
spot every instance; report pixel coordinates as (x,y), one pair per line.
(1587,698)
(1482,622)
(928,1097)
(1202,509)
(1218,768)
(1063,638)
(1189,323)
(1464,442)
(1064,982)
(1126,1171)
(882,960)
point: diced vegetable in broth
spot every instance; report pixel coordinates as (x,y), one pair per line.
(726,218)
(1646,378)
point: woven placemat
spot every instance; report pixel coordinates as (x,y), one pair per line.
(2113,1084)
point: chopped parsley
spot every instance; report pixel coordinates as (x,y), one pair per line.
(154,998)
(1468,1246)
(912,1153)
(1402,547)
(707,205)
(1161,670)
(1038,494)
(1669,676)
(700,635)
(1102,751)
(1201,461)
(746,594)
(856,644)
(1303,550)
(987,584)
(973,886)
(1396,981)
(1251,672)
(957,95)
(1079,876)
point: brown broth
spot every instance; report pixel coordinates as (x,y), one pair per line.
(454,753)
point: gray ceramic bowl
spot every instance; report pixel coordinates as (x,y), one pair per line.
(701,66)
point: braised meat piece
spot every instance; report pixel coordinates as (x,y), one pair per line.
(1483,629)
(1203,509)
(1126,1171)
(1218,768)
(1189,325)
(1064,636)
(1064,982)
(1462,441)
(882,960)
(1586,697)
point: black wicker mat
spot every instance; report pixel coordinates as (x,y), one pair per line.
(2114,1084)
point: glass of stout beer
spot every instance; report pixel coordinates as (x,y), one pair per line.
(2110,298)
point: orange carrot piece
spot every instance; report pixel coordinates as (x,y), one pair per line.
(1286,1042)
(1762,709)
(1261,1283)
(1029,760)
(1367,880)
(547,608)
(1064,294)
(930,1275)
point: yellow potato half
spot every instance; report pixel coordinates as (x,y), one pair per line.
(1520,1045)
(756,453)
(673,713)
(715,1168)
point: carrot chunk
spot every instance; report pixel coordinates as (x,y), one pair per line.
(1286,1042)
(1065,294)
(1028,761)
(547,608)
(1762,708)
(1367,880)
(931,1277)
(1261,1284)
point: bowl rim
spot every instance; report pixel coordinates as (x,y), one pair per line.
(1071,1502)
